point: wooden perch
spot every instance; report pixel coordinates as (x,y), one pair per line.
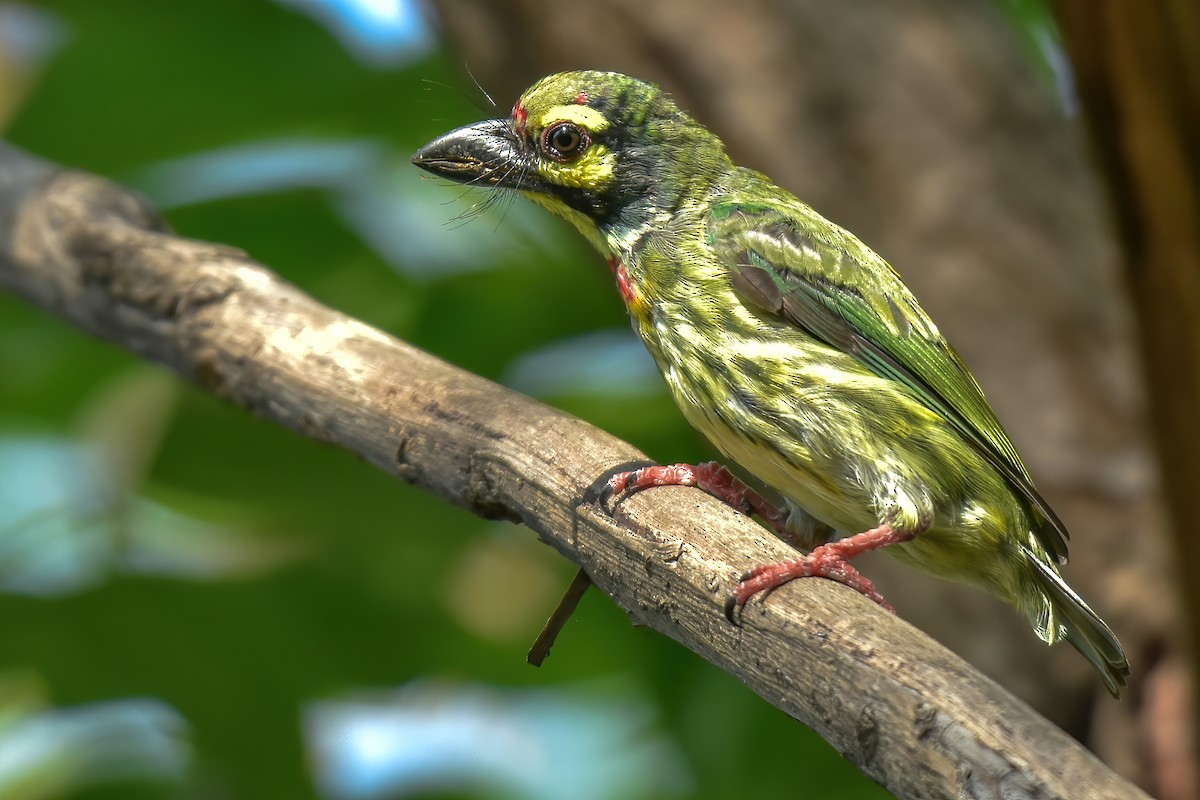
(907,712)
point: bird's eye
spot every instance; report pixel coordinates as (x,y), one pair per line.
(564,141)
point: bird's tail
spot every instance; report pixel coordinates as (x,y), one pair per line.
(1063,614)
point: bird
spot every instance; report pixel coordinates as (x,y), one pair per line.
(791,346)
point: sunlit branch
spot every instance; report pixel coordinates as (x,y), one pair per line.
(906,711)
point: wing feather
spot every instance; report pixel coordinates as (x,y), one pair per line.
(837,289)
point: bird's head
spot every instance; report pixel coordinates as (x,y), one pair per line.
(603,150)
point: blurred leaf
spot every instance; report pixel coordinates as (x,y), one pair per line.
(611,364)
(381,33)
(505,584)
(48,753)
(54,536)
(125,420)
(590,743)
(28,37)
(1034,20)
(411,222)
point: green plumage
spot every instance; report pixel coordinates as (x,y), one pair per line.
(789,343)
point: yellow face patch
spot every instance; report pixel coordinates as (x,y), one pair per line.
(586,117)
(593,170)
(582,222)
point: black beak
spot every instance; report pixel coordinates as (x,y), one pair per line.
(485,153)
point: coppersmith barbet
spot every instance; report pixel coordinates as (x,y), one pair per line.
(792,346)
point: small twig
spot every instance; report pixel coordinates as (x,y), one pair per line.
(562,612)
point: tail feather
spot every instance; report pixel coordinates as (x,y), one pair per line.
(1064,612)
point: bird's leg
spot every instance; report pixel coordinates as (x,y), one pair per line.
(712,478)
(830,560)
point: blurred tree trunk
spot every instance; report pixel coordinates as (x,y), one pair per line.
(1138,70)
(923,127)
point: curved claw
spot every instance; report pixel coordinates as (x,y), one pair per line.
(613,488)
(829,561)
(747,587)
(733,610)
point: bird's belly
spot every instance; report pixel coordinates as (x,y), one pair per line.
(964,540)
(829,496)
(844,444)
(852,450)
(791,444)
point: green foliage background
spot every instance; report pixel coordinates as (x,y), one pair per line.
(343,580)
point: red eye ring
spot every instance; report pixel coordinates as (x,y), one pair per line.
(564,141)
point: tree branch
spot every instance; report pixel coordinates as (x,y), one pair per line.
(906,711)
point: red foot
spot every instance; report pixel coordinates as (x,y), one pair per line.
(712,478)
(827,561)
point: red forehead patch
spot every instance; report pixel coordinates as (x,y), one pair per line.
(520,115)
(581,99)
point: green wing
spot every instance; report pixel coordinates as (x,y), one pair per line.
(791,262)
